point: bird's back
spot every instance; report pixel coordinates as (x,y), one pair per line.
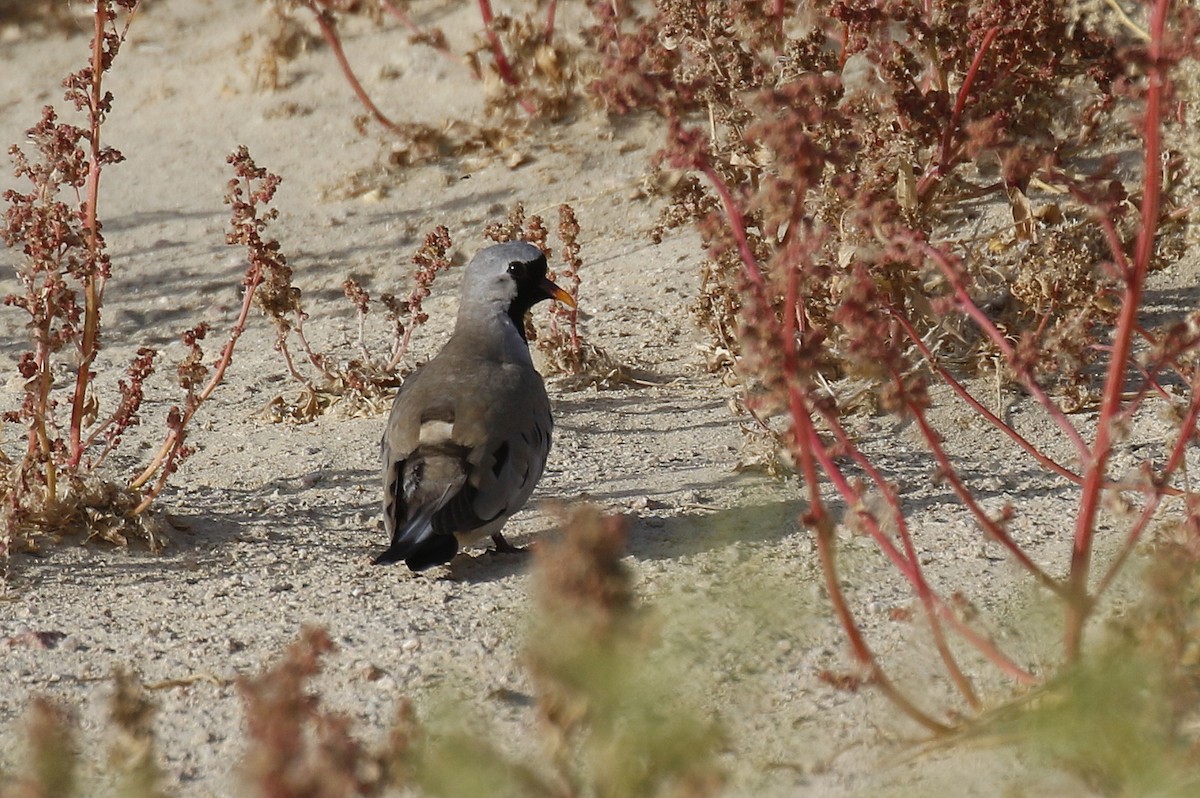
(465,444)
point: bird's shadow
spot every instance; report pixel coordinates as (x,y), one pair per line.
(648,538)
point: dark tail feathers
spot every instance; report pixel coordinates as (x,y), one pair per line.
(433,550)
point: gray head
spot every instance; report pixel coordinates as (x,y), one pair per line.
(508,278)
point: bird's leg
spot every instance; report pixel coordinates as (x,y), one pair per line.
(503,546)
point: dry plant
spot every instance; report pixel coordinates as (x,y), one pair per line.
(57,484)
(133,752)
(533,73)
(1127,716)
(611,726)
(359,384)
(567,353)
(265,52)
(831,156)
(54,759)
(526,72)
(296,748)
(51,757)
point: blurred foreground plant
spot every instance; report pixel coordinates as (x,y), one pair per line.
(611,727)
(298,749)
(1127,716)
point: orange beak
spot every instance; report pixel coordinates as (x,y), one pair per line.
(554,292)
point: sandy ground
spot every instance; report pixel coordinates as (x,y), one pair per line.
(275,524)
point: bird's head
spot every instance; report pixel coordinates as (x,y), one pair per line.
(509,278)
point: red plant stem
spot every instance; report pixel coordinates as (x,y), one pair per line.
(909,564)
(316,359)
(400,348)
(1080,604)
(503,67)
(950,474)
(916,577)
(325,21)
(573,318)
(398,12)
(908,568)
(805,443)
(169,449)
(1133,402)
(962,393)
(362,337)
(1042,459)
(876,675)
(943,164)
(1111,236)
(282,347)
(737,222)
(551,11)
(1149,383)
(39,432)
(805,435)
(92,280)
(779,12)
(968,306)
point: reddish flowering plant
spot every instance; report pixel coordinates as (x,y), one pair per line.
(829,175)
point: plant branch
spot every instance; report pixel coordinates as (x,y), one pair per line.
(1042,459)
(985,324)
(169,449)
(503,67)
(944,157)
(1080,604)
(328,26)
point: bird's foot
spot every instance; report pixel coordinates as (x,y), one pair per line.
(504,547)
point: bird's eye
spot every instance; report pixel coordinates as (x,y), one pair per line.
(517,270)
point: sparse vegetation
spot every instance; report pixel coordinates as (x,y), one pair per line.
(58,484)
(610,729)
(363,383)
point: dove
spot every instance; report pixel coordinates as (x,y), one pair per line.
(469,432)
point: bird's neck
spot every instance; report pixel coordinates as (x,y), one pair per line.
(516,315)
(495,335)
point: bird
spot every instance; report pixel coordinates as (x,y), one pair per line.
(469,432)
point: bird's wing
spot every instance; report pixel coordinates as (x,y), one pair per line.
(423,469)
(503,466)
